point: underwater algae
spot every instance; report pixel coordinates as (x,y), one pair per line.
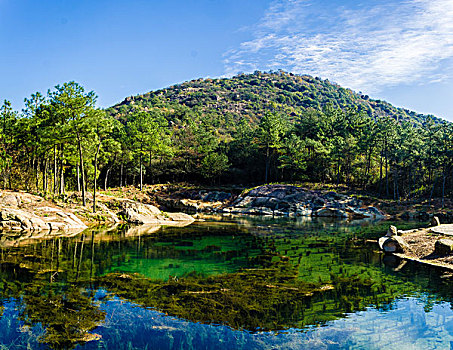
(272,280)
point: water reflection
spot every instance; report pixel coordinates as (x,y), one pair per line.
(254,275)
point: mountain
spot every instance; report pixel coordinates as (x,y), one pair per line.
(228,100)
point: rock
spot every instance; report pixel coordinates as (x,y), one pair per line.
(180,217)
(259,211)
(278,193)
(303,211)
(21,220)
(393,244)
(375,212)
(331,212)
(283,205)
(139,213)
(388,244)
(445,230)
(335,196)
(296,201)
(17,219)
(435,221)
(216,196)
(368,212)
(318,203)
(113,217)
(11,200)
(392,231)
(261,201)
(443,247)
(244,202)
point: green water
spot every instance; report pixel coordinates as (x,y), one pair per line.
(239,282)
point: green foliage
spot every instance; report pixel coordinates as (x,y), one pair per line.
(214,164)
(252,128)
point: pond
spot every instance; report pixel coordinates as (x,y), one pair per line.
(230,282)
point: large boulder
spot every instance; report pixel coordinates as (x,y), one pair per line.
(59,219)
(139,213)
(297,201)
(215,196)
(443,247)
(10,200)
(49,219)
(393,244)
(318,202)
(375,212)
(331,212)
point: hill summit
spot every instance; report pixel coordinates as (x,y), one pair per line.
(251,95)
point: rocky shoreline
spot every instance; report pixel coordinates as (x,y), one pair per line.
(431,245)
(20,211)
(275,200)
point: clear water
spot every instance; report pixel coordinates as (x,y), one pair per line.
(56,288)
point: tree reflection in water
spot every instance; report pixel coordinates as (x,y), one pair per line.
(252,277)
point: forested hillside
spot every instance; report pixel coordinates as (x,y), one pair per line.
(250,129)
(251,95)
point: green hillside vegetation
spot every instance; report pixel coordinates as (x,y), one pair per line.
(251,95)
(250,129)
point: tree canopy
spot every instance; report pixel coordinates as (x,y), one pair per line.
(61,141)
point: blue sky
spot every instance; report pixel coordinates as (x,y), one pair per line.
(400,51)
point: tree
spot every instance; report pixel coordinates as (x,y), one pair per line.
(214,164)
(73,107)
(102,127)
(147,135)
(8,120)
(271,131)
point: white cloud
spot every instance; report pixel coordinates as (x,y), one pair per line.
(367,47)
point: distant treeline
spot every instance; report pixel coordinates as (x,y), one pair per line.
(60,141)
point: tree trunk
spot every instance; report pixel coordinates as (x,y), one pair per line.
(37,174)
(78,177)
(106,178)
(95,176)
(380,174)
(432,189)
(62,190)
(121,175)
(338,172)
(44,177)
(82,168)
(141,171)
(266,173)
(54,169)
(386,173)
(394,183)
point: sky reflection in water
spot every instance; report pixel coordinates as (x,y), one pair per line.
(415,314)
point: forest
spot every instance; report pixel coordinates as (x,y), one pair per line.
(249,129)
